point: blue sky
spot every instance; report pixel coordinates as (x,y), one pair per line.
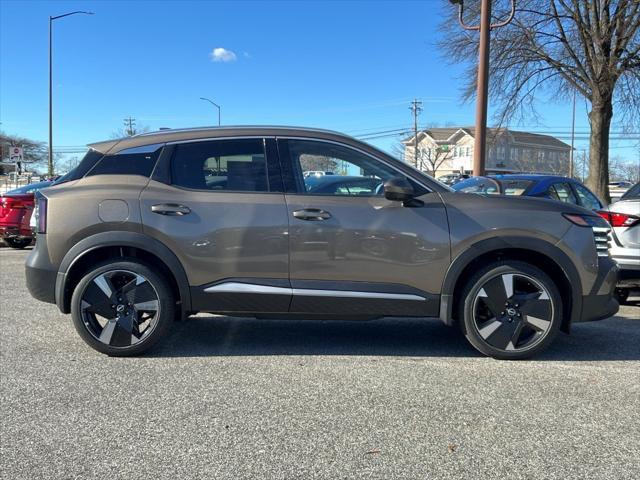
(348,66)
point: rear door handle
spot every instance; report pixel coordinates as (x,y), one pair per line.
(312,214)
(170,209)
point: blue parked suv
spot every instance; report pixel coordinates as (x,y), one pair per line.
(554,187)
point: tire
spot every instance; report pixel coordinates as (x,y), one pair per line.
(18,243)
(622,295)
(527,306)
(122,308)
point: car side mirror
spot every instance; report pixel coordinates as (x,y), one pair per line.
(398,189)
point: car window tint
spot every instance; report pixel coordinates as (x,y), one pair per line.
(481,185)
(587,199)
(515,187)
(562,192)
(219,165)
(329,169)
(126,164)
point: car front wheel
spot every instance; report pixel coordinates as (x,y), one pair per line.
(122,308)
(511,310)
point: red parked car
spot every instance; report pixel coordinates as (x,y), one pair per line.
(16,207)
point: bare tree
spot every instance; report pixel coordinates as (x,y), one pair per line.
(433,158)
(556,47)
(625,169)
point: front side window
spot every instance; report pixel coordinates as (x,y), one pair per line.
(562,192)
(587,199)
(221,165)
(344,172)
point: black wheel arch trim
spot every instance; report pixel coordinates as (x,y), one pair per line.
(497,244)
(121,239)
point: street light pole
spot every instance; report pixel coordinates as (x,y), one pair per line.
(484,28)
(215,105)
(51,19)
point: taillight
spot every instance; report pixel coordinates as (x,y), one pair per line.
(619,219)
(41,213)
(12,203)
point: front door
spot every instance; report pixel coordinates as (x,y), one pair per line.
(219,206)
(352,252)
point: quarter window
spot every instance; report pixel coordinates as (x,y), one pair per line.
(221,165)
(126,164)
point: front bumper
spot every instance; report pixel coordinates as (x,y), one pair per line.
(600,303)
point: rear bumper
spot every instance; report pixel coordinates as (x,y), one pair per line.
(628,260)
(41,274)
(8,231)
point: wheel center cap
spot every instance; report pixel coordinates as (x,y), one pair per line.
(120,308)
(511,312)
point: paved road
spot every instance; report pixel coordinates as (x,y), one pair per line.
(254,399)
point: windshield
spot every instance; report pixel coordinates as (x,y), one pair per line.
(632,193)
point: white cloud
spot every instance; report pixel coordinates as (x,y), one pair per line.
(222,55)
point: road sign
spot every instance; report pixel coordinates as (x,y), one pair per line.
(15,154)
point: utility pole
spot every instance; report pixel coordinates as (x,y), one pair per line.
(573,134)
(416,108)
(129,126)
(484,28)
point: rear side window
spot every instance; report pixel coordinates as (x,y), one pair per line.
(562,192)
(221,165)
(138,163)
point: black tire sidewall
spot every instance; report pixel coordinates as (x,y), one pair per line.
(505,267)
(163,322)
(18,243)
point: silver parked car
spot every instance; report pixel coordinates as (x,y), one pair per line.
(624,217)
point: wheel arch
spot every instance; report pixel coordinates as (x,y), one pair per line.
(540,253)
(118,245)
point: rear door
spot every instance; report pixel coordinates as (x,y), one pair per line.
(352,252)
(219,206)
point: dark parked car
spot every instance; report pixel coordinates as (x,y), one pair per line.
(151,228)
(16,207)
(562,189)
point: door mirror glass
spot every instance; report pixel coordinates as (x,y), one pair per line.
(398,189)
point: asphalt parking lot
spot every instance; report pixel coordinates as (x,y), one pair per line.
(242,398)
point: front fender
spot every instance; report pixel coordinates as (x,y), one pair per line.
(504,244)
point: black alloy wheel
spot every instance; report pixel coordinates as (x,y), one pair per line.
(122,308)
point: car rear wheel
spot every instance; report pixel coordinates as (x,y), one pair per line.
(18,242)
(122,308)
(512,310)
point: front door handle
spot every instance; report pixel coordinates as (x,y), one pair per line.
(170,209)
(312,214)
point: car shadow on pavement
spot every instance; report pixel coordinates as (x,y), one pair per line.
(613,339)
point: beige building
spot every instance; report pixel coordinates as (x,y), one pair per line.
(449,150)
